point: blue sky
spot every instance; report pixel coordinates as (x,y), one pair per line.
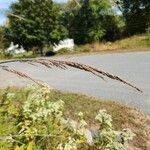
(4,5)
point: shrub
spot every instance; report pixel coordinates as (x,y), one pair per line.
(41,125)
(148,32)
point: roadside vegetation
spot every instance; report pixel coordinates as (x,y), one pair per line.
(14,101)
(37,117)
(18,56)
(134,43)
(38,121)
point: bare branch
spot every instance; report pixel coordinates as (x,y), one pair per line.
(19,17)
(20,74)
(63,65)
(77,3)
(118,4)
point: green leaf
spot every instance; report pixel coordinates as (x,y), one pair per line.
(20,148)
(30,146)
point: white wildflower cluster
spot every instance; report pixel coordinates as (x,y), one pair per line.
(70,135)
(79,130)
(127,135)
(39,107)
(27,130)
(10,96)
(69,145)
(110,138)
(115,139)
(104,119)
(107,137)
(114,146)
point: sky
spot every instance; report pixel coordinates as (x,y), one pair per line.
(4,5)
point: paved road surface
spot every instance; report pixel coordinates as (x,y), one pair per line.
(133,67)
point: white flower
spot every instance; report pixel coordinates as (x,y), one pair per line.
(127,134)
(69,145)
(60,147)
(38,108)
(10,95)
(115,146)
(80,114)
(104,119)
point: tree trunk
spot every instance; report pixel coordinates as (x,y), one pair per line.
(41,50)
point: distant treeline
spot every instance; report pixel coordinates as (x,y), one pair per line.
(36,23)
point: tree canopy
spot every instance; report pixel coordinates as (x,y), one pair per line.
(136,14)
(39,25)
(93,21)
(36,23)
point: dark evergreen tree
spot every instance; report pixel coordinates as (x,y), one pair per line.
(136,14)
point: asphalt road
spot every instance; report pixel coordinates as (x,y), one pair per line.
(133,67)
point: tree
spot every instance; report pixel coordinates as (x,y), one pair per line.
(79,28)
(92,21)
(85,29)
(114,26)
(136,14)
(69,11)
(3,40)
(37,24)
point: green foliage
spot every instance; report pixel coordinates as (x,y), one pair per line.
(38,25)
(41,125)
(114,26)
(3,41)
(148,32)
(129,118)
(64,51)
(136,14)
(92,22)
(85,27)
(24,147)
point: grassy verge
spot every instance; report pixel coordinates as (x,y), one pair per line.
(25,55)
(134,43)
(18,56)
(123,116)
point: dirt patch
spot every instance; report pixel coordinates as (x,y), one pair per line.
(141,127)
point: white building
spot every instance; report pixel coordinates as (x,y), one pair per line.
(67,44)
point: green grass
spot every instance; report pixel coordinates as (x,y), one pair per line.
(2,56)
(137,41)
(17,56)
(134,43)
(25,55)
(123,116)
